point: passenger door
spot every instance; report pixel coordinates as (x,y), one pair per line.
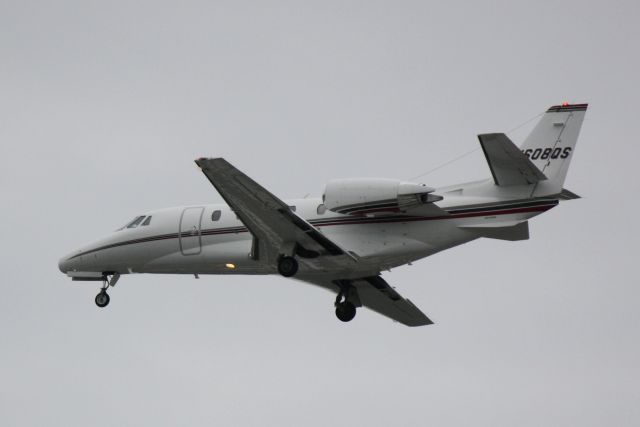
(190,237)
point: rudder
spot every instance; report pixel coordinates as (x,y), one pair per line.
(551,144)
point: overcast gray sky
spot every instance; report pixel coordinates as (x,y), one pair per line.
(104,106)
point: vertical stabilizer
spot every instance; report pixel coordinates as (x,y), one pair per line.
(551,145)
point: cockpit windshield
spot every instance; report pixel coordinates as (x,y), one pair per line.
(133,223)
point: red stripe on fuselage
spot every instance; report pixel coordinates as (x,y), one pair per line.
(541,208)
(340,221)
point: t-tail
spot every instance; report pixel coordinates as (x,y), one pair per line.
(552,143)
(540,165)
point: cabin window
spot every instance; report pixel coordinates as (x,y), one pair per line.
(147,221)
(137,220)
(215,216)
(321,209)
(293,208)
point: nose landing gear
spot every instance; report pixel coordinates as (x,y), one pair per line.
(102,299)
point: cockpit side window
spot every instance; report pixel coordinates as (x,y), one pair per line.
(215,216)
(147,221)
(137,220)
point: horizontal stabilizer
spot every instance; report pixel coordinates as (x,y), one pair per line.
(509,166)
(568,195)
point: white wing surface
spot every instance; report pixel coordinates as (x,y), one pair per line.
(275,227)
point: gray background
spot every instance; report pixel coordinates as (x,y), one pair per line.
(104,106)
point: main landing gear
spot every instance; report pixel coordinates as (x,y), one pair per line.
(102,299)
(345,311)
(346,301)
(287,266)
(345,307)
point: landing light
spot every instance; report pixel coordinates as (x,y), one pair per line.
(230,265)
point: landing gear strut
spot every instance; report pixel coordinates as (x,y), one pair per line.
(102,299)
(345,309)
(287,266)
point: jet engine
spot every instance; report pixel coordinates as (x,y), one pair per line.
(375,196)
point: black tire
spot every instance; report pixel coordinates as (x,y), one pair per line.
(102,299)
(287,266)
(345,311)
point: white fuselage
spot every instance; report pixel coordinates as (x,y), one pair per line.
(194,240)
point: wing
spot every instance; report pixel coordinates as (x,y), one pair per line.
(509,166)
(275,227)
(375,293)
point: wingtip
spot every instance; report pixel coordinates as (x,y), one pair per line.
(424,322)
(200,161)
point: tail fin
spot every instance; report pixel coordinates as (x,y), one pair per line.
(551,144)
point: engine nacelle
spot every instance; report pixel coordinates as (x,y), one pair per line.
(375,196)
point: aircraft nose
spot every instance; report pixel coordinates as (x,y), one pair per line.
(63,264)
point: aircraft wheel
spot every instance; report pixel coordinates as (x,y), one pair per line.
(102,299)
(345,311)
(287,266)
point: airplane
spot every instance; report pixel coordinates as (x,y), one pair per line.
(344,240)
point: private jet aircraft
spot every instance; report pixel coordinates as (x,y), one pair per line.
(344,240)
